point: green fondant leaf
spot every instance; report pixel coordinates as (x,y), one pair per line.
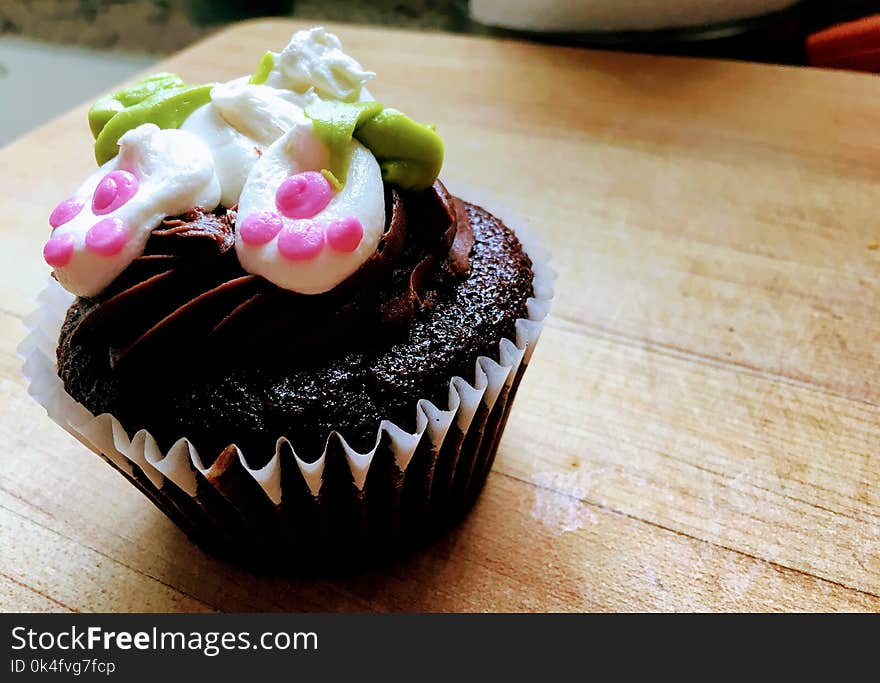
(167,109)
(108,106)
(335,124)
(409,153)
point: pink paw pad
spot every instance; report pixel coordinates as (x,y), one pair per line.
(65,212)
(106,237)
(345,234)
(58,251)
(115,188)
(303,195)
(301,242)
(260,227)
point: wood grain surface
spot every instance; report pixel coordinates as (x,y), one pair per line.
(700,426)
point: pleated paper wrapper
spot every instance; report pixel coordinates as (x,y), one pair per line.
(344,503)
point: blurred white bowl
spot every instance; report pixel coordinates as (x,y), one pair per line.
(588,16)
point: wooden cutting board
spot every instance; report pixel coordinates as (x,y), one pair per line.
(700,426)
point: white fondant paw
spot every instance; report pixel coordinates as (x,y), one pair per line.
(105,225)
(294,229)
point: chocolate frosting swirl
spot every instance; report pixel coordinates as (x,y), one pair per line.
(187,300)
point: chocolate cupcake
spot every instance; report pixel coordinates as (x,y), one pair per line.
(296,341)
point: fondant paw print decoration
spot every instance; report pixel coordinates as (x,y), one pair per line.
(104,226)
(294,228)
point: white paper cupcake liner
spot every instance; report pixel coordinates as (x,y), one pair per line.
(406,482)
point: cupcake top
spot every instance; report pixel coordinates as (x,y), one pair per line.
(296,168)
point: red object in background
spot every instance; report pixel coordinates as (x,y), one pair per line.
(854,45)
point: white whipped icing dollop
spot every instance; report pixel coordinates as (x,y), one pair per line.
(315,59)
(294,229)
(105,225)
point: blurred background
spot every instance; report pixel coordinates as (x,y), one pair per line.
(57,53)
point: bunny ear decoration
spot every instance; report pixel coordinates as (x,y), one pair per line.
(294,228)
(105,225)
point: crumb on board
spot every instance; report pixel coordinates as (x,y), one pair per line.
(873,245)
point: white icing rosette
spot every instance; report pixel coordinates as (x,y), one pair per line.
(292,510)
